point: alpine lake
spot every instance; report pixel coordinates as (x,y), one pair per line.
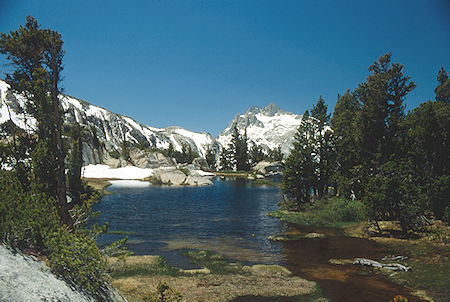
(230,218)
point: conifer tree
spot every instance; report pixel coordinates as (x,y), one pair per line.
(323,144)
(226,159)
(256,154)
(275,154)
(443,88)
(37,54)
(382,147)
(210,157)
(75,162)
(299,176)
(345,129)
(239,149)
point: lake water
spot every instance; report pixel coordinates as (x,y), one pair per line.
(230,217)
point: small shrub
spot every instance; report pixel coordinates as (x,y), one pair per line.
(163,293)
(76,258)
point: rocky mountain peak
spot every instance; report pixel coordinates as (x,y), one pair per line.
(271,109)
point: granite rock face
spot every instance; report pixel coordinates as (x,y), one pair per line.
(23,278)
(267,168)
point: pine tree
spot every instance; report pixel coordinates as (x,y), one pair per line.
(75,163)
(382,146)
(323,144)
(239,149)
(275,154)
(299,176)
(443,88)
(226,159)
(345,128)
(210,157)
(256,154)
(37,54)
(428,140)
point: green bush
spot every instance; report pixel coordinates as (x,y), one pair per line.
(330,212)
(163,293)
(29,220)
(76,258)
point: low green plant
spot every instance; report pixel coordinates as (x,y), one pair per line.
(156,181)
(158,267)
(330,212)
(216,263)
(163,293)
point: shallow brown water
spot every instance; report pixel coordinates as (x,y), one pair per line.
(309,258)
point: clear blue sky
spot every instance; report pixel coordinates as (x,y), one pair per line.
(196,63)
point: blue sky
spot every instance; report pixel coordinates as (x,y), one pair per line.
(195,64)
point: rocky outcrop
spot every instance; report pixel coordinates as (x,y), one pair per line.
(145,159)
(24,278)
(201,162)
(267,168)
(182,176)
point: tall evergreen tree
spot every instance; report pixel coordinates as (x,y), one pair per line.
(239,149)
(256,154)
(344,123)
(226,159)
(428,128)
(37,54)
(382,112)
(382,146)
(75,162)
(323,143)
(210,157)
(299,176)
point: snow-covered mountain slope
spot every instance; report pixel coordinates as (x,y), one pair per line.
(110,128)
(269,127)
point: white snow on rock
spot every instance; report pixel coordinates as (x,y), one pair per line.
(269,127)
(109,127)
(105,171)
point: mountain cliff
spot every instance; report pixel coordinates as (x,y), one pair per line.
(270,127)
(106,130)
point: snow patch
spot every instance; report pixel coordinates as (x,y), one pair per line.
(130,183)
(105,171)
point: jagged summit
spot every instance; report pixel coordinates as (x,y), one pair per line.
(270,110)
(270,127)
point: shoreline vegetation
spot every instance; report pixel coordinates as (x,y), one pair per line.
(217,279)
(427,250)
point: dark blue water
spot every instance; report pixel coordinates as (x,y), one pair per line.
(229,217)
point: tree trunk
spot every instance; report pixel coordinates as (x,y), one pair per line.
(63,209)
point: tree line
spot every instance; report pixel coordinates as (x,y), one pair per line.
(241,155)
(396,162)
